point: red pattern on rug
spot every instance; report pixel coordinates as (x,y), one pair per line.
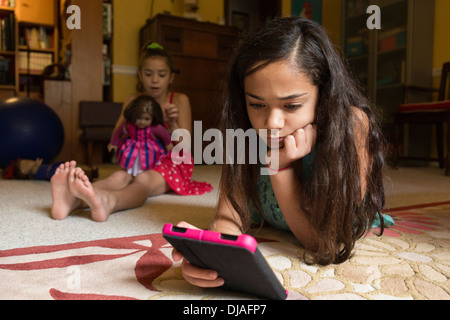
(130,264)
(150,265)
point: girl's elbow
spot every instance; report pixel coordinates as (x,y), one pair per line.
(309,242)
(311,245)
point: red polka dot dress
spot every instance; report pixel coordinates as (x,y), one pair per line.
(179,176)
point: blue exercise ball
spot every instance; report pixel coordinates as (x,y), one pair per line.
(29,129)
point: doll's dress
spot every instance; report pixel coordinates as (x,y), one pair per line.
(140,150)
(179,175)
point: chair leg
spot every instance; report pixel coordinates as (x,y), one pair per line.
(396,150)
(440,144)
(89,153)
(447,165)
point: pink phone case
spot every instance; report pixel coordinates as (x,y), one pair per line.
(236,259)
(244,240)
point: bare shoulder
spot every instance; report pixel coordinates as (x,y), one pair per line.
(180,99)
(361,119)
(361,125)
(360,116)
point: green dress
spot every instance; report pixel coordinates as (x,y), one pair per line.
(269,205)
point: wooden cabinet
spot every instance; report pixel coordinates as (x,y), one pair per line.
(201,53)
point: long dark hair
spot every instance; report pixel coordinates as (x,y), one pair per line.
(331,199)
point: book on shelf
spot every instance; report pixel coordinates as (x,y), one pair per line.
(107,20)
(392,39)
(8,3)
(37,62)
(7,32)
(6,71)
(37,38)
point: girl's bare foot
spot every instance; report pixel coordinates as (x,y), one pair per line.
(63,200)
(98,201)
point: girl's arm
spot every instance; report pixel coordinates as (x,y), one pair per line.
(287,197)
(286,188)
(179,115)
(226,221)
(361,130)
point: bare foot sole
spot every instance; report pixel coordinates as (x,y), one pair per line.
(81,187)
(63,200)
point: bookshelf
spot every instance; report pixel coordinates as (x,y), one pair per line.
(37,44)
(7,50)
(28,43)
(398,55)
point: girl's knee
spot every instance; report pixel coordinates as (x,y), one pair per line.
(153,182)
(122,177)
(149,177)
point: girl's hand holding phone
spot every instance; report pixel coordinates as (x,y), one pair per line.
(195,275)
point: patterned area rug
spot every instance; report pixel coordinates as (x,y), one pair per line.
(410,261)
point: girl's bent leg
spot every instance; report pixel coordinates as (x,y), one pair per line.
(146,184)
(116,181)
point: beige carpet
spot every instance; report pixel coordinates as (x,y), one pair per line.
(415,185)
(126,257)
(25,214)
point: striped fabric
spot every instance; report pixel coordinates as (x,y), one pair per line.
(140,145)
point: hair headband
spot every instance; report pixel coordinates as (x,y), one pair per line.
(155,46)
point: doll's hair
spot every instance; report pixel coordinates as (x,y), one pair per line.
(151,50)
(144,104)
(331,198)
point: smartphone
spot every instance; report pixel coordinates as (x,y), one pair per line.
(236,259)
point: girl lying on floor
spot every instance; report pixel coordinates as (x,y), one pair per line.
(288,80)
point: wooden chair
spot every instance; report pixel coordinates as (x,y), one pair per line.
(97,120)
(437,113)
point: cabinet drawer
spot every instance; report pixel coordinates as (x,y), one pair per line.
(201,44)
(172,39)
(225,46)
(198,73)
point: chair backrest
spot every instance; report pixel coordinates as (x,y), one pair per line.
(99,114)
(443,86)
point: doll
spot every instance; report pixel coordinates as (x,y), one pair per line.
(141,140)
